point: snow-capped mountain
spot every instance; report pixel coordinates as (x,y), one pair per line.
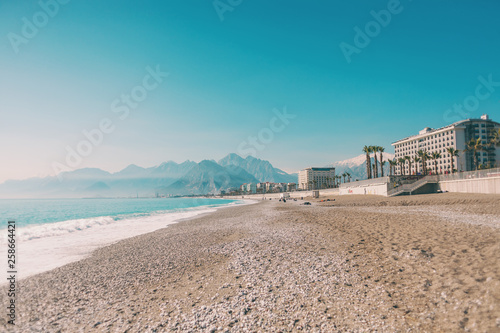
(356,166)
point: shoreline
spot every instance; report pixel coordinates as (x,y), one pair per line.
(44,254)
(354,264)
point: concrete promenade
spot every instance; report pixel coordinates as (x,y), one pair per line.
(479,185)
(482,181)
(293,195)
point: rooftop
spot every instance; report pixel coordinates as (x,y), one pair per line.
(429,130)
(319,169)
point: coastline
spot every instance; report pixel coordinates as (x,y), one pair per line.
(354,264)
(40,255)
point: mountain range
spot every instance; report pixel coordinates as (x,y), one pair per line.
(169,178)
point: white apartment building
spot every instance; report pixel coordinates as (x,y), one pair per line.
(275,187)
(316,178)
(270,187)
(266,187)
(251,188)
(439,140)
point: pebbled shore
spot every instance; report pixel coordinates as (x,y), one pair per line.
(419,264)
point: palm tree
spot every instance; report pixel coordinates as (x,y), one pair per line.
(495,138)
(401,162)
(420,154)
(435,155)
(408,158)
(494,141)
(374,151)
(348,177)
(367,150)
(453,153)
(339,177)
(474,146)
(392,164)
(343,176)
(381,150)
(424,156)
(382,164)
(417,160)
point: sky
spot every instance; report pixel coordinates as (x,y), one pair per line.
(299,83)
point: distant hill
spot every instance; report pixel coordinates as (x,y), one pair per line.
(171,169)
(209,177)
(168,178)
(262,170)
(357,166)
(92,182)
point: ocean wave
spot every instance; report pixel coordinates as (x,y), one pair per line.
(61,228)
(72,226)
(37,231)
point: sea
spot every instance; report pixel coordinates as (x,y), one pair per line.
(53,232)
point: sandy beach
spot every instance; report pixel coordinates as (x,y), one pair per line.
(427,263)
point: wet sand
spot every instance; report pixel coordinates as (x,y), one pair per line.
(424,263)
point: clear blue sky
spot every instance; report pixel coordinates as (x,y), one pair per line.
(226,77)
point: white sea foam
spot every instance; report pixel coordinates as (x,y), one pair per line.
(42,248)
(60,228)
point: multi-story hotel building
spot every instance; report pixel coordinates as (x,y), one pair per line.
(316,178)
(275,187)
(439,140)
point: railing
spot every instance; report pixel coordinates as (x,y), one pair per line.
(380,180)
(485,173)
(395,191)
(402,184)
(413,186)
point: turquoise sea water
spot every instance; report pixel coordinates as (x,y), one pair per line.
(53,232)
(30,212)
